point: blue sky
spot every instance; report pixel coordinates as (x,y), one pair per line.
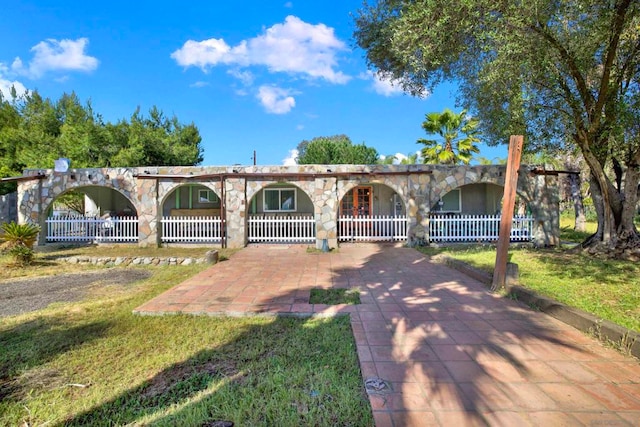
(252,75)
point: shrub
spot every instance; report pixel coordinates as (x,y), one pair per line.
(19,240)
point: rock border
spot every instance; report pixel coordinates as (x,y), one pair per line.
(211,257)
(602,329)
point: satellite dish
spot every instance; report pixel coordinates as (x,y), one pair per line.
(61,165)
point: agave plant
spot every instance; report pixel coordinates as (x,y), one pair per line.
(19,240)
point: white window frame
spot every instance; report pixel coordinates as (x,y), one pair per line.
(459,210)
(279,190)
(210,196)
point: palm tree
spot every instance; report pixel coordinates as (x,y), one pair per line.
(451,148)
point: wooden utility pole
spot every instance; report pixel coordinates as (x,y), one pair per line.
(508,207)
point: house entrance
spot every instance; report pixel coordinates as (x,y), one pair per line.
(371,213)
(357,202)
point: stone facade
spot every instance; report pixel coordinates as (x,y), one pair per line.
(8,207)
(418,186)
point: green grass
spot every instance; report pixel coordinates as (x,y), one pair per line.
(334,296)
(568,234)
(606,288)
(94,363)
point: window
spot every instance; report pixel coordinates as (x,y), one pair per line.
(450,202)
(207,196)
(279,200)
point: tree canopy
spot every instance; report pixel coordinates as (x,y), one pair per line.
(560,73)
(34,131)
(450,147)
(335,150)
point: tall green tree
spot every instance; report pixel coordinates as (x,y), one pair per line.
(457,138)
(34,131)
(558,72)
(332,150)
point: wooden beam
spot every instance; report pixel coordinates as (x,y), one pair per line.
(508,207)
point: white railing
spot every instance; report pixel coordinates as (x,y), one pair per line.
(282,228)
(91,229)
(372,228)
(473,228)
(191,229)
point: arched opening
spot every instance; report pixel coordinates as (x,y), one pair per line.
(372,212)
(472,213)
(191,213)
(281,213)
(92,214)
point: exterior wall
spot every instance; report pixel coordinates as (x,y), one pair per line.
(419,187)
(8,207)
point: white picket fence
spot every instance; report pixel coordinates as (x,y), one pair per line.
(372,228)
(281,229)
(75,228)
(191,229)
(474,228)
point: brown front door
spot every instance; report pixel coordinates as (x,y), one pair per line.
(357,202)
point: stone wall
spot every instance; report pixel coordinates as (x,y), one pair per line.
(8,207)
(418,186)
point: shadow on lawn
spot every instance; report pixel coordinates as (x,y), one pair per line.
(264,376)
(34,343)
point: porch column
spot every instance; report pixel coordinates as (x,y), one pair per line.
(148,220)
(235,200)
(325,203)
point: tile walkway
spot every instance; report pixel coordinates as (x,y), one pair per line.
(451,352)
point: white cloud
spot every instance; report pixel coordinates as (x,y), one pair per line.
(294,47)
(199,84)
(299,127)
(276,100)
(57,55)
(382,85)
(288,5)
(246,77)
(5,88)
(290,160)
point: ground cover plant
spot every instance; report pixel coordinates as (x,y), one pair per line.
(334,296)
(609,289)
(94,363)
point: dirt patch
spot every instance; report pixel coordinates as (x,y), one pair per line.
(24,295)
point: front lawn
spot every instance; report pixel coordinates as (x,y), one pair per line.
(94,363)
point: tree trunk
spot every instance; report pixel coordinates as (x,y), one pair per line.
(578,204)
(623,240)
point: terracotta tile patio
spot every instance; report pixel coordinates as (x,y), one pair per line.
(453,353)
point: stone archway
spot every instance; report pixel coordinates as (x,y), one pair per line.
(280,213)
(371,211)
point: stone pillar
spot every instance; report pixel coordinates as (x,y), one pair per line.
(544,202)
(418,209)
(29,205)
(148,221)
(325,203)
(235,200)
